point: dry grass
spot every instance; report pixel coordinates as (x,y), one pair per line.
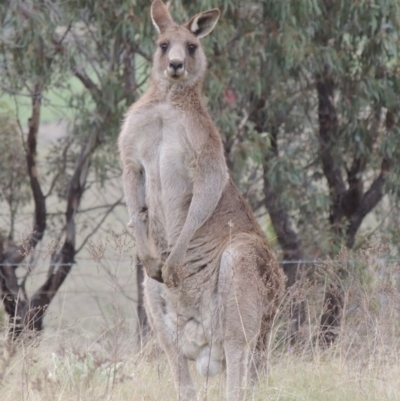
(363,364)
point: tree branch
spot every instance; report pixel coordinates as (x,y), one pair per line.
(353,196)
(88,84)
(39,199)
(375,192)
(12,296)
(36,308)
(143,54)
(369,201)
(60,170)
(98,225)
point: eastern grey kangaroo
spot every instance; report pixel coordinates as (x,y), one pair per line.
(212,285)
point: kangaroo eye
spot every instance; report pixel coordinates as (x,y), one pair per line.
(192,48)
(164,47)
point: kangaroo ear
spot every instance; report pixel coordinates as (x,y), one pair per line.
(202,24)
(160,16)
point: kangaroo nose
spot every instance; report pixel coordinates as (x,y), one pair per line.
(176,65)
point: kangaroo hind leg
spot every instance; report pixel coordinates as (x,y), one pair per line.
(241,306)
(169,336)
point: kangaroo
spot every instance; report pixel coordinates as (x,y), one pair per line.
(212,284)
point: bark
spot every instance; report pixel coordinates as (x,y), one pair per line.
(13,298)
(368,202)
(28,313)
(328,131)
(62,262)
(349,204)
(287,237)
(39,226)
(292,253)
(328,134)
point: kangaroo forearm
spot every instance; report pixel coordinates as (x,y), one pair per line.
(140,234)
(134,192)
(203,204)
(135,200)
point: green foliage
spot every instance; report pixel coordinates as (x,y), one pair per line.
(265,59)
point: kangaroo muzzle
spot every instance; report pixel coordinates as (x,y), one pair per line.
(176,62)
(175,68)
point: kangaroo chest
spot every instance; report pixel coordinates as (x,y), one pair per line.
(166,156)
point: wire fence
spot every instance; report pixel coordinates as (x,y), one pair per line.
(281,262)
(109,282)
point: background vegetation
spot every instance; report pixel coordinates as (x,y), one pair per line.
(305,94)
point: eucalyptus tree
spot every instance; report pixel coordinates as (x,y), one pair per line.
(339,125)
(57,44)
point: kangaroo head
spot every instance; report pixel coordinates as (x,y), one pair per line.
(179,56)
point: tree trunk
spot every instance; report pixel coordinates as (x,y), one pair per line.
(28,313)
(14,297)
(349,204)
(328,131)
(288,240)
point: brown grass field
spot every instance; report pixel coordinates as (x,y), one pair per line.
(74,360)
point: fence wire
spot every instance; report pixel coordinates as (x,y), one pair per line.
(281,262)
